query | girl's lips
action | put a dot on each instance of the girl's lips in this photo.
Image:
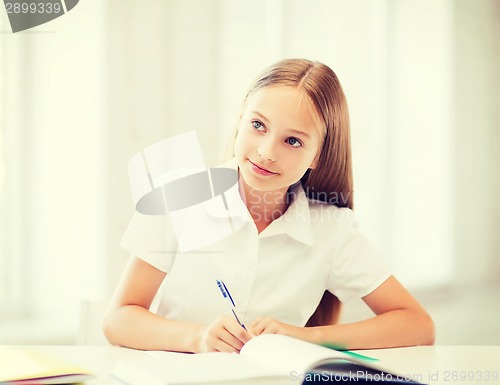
(261, 170)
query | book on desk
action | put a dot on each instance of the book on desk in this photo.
(266, 359)
(23, 366)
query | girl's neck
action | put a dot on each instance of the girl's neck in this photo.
(263, 206)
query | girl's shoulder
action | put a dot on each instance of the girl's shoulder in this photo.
(326, 212)
(318, 212)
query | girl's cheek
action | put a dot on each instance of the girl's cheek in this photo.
(243, 138)
(239, 144)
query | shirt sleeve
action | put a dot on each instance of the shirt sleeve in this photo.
(357, 268)
(152, 239)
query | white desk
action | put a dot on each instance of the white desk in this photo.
(444, 364)
(427, 364)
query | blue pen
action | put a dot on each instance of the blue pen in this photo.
(229, 300)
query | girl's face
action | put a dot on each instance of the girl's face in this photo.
(278, 138)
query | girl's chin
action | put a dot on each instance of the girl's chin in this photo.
(261, 186)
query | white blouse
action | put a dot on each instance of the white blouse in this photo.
(280, 273)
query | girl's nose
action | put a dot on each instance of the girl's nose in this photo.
(267, 150)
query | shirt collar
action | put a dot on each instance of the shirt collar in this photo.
(295, 222)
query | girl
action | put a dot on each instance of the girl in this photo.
(285, 267)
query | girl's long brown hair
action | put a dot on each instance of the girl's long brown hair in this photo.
(331, 181)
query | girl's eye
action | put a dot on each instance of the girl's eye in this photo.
(257, 125)
(294, 142)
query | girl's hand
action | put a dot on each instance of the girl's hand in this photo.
(223, 335)
(264, 325)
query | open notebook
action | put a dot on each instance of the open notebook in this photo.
(266, 359)
(21, 366)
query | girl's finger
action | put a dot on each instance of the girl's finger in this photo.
(258, 328)
(238, 332)
(231, 340)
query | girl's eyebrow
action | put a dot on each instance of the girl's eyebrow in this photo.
(260, 115)
(297, 132)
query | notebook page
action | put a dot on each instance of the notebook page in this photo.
(18, 363)
(182, 368)
(286, 354)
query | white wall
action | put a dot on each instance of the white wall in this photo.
(477, 141)
(420, 111)
(54, 113)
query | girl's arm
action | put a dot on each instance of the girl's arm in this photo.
(128, 321)
(400, 321)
